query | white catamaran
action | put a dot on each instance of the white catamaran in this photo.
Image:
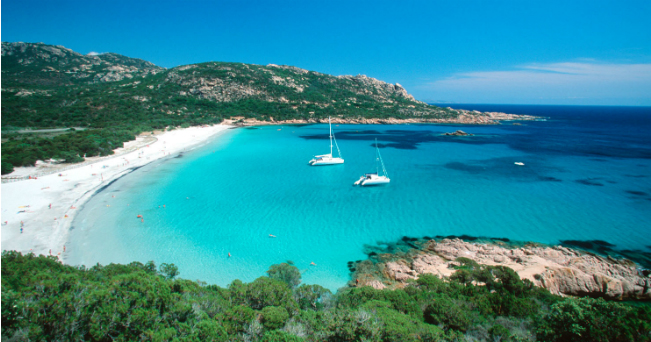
(375, 178)
(327, 159)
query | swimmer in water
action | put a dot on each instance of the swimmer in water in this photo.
(229, 254)
(272, 236)
(312, 263)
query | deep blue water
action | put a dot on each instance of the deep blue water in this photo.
(586, 177)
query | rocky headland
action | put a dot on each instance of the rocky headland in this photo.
(561, 270)
(492, 118)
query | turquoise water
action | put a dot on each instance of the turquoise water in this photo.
(228, 196)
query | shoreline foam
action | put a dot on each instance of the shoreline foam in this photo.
(46, 229)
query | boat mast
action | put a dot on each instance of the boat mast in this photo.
(377, 156)
(384, 170)
(330, 124)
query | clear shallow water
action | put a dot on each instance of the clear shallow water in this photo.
(586, 177)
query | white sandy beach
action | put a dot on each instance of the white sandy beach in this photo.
(45, 229)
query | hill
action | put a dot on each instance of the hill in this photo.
(118, 97)
(32, 65)
(52, 86)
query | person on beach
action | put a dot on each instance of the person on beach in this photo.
(21, 230)
(50, 205)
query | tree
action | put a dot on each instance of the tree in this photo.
(286, 273)
(169, 271)
(309, 296)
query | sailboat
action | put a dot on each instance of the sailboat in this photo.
(327, 159)
(375, 178)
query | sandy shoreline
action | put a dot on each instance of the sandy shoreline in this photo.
(45, 229)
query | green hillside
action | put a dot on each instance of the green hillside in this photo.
(118, 97)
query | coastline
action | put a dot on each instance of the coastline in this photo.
(561, 270)
(465, 118)
(27, 203)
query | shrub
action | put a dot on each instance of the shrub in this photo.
(235, 319)
(265, 291)
(589, 319)
(280, 336)
(451, 314)
(7, 167)
(274, 317)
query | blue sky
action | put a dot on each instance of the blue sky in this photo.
(522, 52)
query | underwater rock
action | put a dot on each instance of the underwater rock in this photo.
(458, 133)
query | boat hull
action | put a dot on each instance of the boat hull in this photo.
(326, 161)
(381, 180)
(374, 183)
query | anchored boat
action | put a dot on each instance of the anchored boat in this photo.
(375, 178)
(328, 159)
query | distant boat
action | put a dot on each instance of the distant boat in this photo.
(375, 178)
(519, 163)
(327, 159)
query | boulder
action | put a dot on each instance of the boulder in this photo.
(561, 270)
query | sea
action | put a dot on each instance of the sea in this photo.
(249, 199)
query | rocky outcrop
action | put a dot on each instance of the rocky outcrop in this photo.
(458, 133)
(561, 270)
(376, 88)
(65, 65)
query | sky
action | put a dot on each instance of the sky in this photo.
(567, 52)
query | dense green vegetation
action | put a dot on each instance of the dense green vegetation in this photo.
(45, 86)
(21, 150)
(43, 300)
